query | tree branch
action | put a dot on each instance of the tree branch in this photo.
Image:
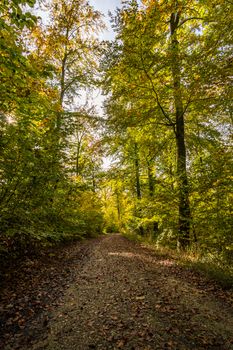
(171, 123)
(189, 19)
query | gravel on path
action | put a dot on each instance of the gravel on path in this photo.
(126, 296)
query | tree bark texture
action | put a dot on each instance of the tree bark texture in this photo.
(151, 188)
(184, 208)
(138, 185)
(137, 172)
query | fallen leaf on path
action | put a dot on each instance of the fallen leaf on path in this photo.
(120, 344)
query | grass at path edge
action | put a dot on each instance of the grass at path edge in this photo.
(222, 274)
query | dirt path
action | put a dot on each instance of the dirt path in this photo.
(127, 297)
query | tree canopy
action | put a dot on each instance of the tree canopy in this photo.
(167, 123)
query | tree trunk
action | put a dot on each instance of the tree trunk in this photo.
(77, 158)
(138, 185)
(150, 180)
(137, 172)
(118, 206)
(62, 79)
(184, 208)
(151, 189)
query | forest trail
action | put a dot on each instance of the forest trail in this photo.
(125, 296)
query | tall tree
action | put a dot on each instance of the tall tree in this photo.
(156, 75)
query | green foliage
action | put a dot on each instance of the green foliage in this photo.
(44, 198)
(167, 125)
(175, 66)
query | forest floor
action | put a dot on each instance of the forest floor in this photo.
(111, 293)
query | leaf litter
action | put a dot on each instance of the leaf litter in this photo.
(111, 293)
